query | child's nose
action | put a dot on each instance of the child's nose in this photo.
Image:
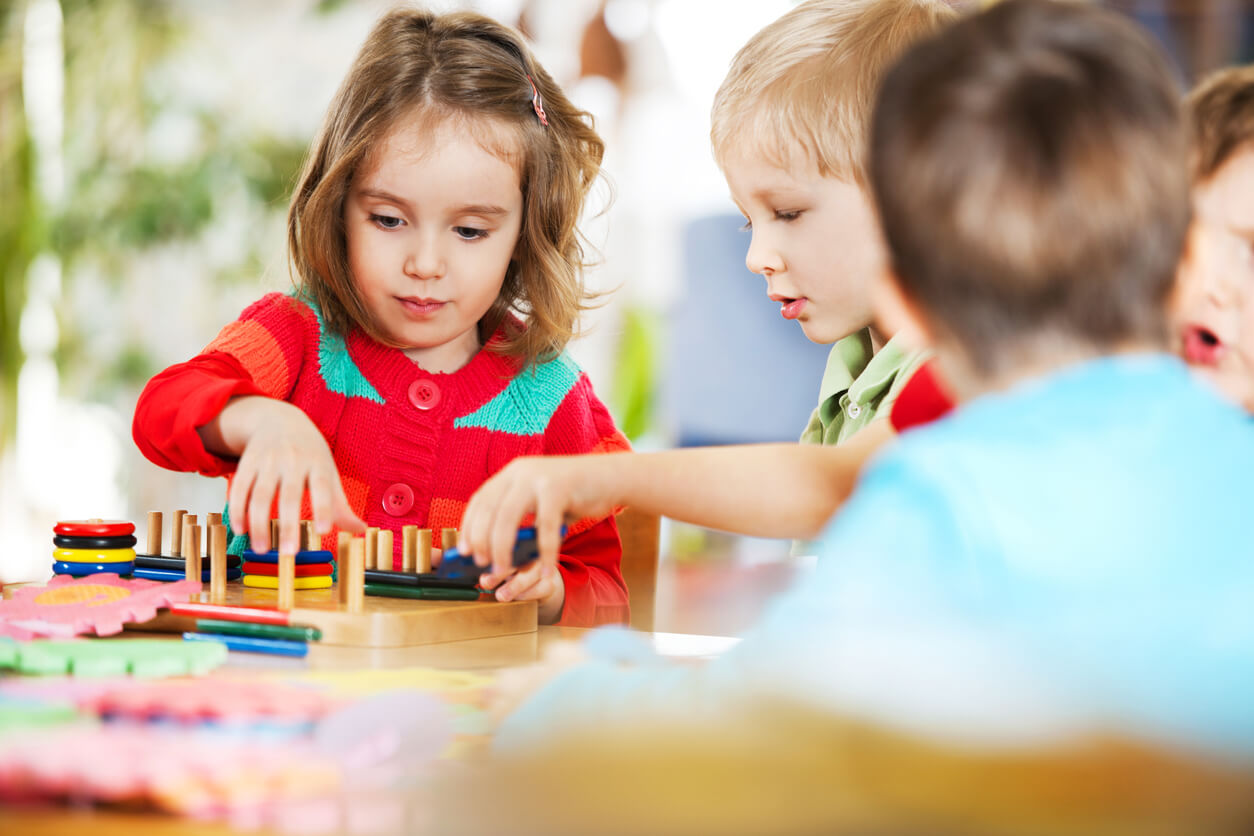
(763, 258)
(425, 261)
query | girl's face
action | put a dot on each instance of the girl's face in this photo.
(1214, 306)
(432, 220)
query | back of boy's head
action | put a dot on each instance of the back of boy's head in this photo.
(806, 83)
(468, 68)
(1221, 117)
(1029, 168)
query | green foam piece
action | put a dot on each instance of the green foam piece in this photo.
(149, 658)
(22, 716)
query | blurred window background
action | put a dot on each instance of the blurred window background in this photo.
(147, 149)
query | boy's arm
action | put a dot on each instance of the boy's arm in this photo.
(764, 490)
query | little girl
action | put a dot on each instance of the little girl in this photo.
(437, 262)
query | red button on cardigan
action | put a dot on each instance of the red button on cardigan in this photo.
(424, 394)
(398, 499)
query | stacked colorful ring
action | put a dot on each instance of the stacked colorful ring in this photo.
(314, 570)
(89, 547)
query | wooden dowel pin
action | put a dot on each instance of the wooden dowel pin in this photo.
(422, 562)
(448, 539)
(341, 558)
(154, 532)
(191, 545)
(355, 575)
(409, 547)
(309, 539)
(287, 581)
(383, 550)
(217, 563)
(176, 534)
(371, 546)
(212, 519)
(274, 535)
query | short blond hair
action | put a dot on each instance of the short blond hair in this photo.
(1221, 118)
(807, 81)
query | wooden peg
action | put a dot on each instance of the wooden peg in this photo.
(274, 535)
(217, 563)
(309, 539)
(191, 544)
(342, 540)
(372, 545)
(176, 534)
(383, 556)
(448, 539)
(287, 581)
(355, 575)
(422, 563)
(213, 518)
(409, 547)
(154, 532)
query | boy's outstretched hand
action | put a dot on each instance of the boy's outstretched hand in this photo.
(550, 487)
(283, 452)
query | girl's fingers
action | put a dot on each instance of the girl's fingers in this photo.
(237, 499)
(291, 491)
(260, 501)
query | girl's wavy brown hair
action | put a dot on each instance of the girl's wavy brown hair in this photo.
(469, 67)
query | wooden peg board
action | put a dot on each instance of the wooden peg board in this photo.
(383, 622)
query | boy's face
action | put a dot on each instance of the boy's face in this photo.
(815, 241)
(1214, 311)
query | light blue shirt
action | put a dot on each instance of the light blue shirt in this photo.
(1073, 554)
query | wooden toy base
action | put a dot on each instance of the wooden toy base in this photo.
(383, 622)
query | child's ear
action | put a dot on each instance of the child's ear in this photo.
(896, 314)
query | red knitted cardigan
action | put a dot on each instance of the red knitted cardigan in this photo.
(411, 446)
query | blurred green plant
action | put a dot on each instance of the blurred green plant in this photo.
(122, 201)
(21, 227)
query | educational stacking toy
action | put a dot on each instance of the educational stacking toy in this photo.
(90, 547)
(187, 557)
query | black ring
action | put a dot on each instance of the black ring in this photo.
(61, 541)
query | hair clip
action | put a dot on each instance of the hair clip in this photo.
(538, 103)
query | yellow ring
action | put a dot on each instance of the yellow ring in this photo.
(93, 555)
(271, 582)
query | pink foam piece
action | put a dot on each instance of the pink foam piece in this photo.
(180, 772)
(99, 604)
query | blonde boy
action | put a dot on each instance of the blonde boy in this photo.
(789, 128)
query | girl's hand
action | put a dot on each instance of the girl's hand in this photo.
(551, 487)
(283, 453)
(537, 580)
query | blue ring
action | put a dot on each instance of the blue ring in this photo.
(78, 570)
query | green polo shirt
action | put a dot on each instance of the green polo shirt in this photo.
(858, 386)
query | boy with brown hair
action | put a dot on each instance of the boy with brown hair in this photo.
(1070, 550)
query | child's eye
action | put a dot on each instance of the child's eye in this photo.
(786, 217)
(386, 221)
(470, 233)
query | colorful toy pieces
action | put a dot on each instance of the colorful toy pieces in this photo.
(89, 547)
(99, 604)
